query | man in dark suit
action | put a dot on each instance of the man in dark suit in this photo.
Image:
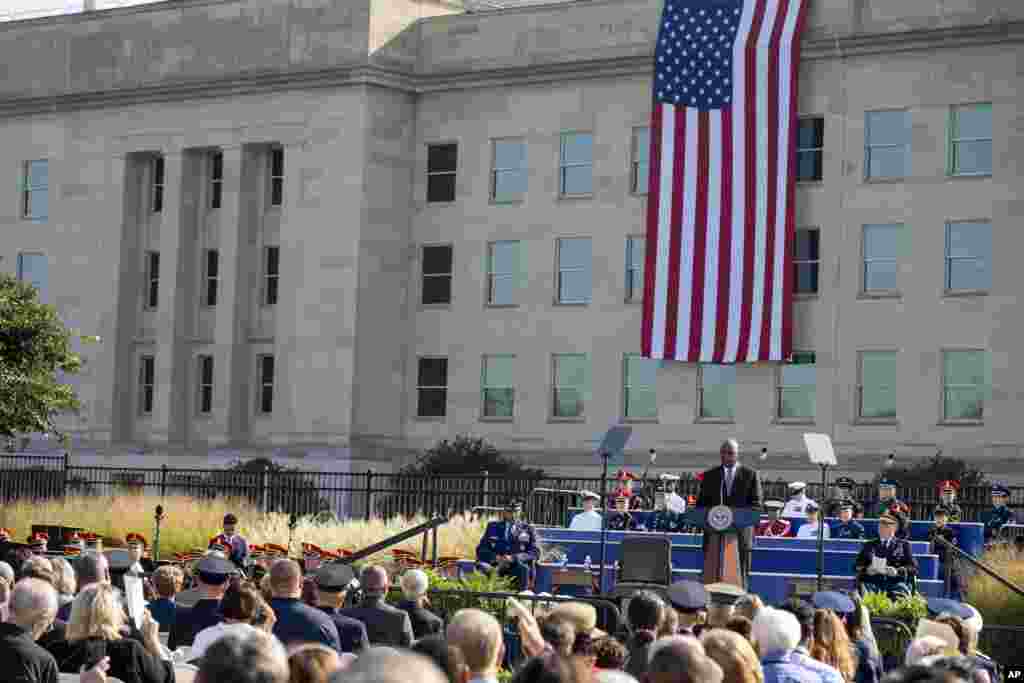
(736, 486)
(332, 581)
(297, 622)
(385, 625)
(414, 588)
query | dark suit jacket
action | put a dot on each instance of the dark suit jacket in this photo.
(22, 660)
(746, 488)
(297, 622)
(189, 621)
(424, 622)
(129, 660)
(351, 632)
(385, 625)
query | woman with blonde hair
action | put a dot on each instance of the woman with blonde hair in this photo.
(63, 580)
(831, 645)
(95, 631)
(734, 654)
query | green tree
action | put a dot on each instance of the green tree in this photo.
(938, 468)
(34, 346)
(469, 455)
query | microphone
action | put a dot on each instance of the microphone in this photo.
(654, 456)
(764, 453)
(890, 461)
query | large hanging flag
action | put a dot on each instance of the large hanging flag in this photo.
(720, 221)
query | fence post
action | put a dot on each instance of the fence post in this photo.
(369, 493)
(163, 481)
(64, 487)
(263, 488)
(486, 487)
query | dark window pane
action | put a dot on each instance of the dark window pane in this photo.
(158, 199)
(433, 372)
(217, 172)
(206, 400)
(207, 371)
(277, 162)
(148, 370)
(147, 400)
(267, 399)
(212, 262)
(437, 260)
(441, 188)
(215, 197)
(211, 293)
(442, 158)
(276, 191)
(158, 171)
(805, 278)
(808, 165)
(811, 133)
(806, 245)
(437, 290)
(431, 402)
(273, 257)
(271, 291)
(267, 369)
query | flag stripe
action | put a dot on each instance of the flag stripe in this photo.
(713, 234)
(689, 208)
(655, 273)
(723, 330)
(701, 222)
(674, 277)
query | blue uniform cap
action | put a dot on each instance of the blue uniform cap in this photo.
(845, 482)
(887, 483)
(119, 560)
(812, 507)
(334, 577)
(214, 570)
(1000, 490)
(833, 600)
(688, 595)
(937, 606)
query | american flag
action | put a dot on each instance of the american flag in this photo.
(720, 213)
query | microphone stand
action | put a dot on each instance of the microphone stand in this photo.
(821, 529)
(604, 522)
(159, 517)
(293, 521)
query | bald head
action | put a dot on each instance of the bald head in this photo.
(681, 659)
(286, 579)
(730, 452)
(386, 665)
(374, 580)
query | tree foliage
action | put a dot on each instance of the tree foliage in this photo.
(938, 468)
(34, 345)
(469, 455)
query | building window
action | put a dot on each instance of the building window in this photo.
(441, 164)
(887, 145)
(634, 269)
(276, 176)
(806, 261)
(508, 177)
(571, 385)
(881, 258)
(158, 184)
(265, 394)
(576, 164)
(35, 197)
(437, 275)
(216, 179)
(498, 386)
(152, 279)
(574, 260)
(147, 375)
(205, 383)
(33, 269)
(876, 386)
(797, 385)
(716, 389)
(964, 381)
(503, 272)
(271, 274)
(810, 145)
(968, 256)
(639, 387)
(432, 387)
(640, 165)
(970, 140)
(211, 276)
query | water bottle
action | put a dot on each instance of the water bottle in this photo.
(586, 563)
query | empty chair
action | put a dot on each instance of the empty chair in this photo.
(646, 564)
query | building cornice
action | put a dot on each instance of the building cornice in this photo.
(638, 64)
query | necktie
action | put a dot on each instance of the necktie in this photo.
(508, 532)
(728, 481)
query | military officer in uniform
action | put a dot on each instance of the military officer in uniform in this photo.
(947, 558)
(775, 526)
(510, 545)
(847, 527)
(798, 501)
(332, 581)
(999, 515)
(947, 500)
(888, 503)
(237, 549)
(664, 519)
(842, 489)
(886, 564)
(621, 519)
(690, 601)
(212, 573)
(137, 545)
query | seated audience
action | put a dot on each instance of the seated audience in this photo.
(830, 644)
(549, 669)
(447, 658)
(332, 581)
(681, 659)
(644, 613)
(477, 635)
(94, 632)
(167, 582)
(38, 567)
(297, 622)
(64, 580)
(582, 615)
(967, 644)
(239, 608)
(858, 628)
(388, 665)
(385, 625)
(804, 614)
(923, 674)
(414, 589)
(559, 633)
(777, 635)
(923, 649)
(669, 624)
(609, 653)
(740, 625)
(212, 575)
(256, 657)
(5, 596)
(312, 664)
(734, 655)
(32, 608)
(91, 568)
(747, 606)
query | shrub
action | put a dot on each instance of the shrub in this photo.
(469, 455)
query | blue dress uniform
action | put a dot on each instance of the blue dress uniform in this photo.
(898, 556)
(514, 538)
(947, 559)
(189, 621)
(999, 515)
(332, 579)
(850, 530)
(666, 521)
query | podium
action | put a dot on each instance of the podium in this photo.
(722, 528)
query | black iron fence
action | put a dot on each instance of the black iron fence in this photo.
(372, 494)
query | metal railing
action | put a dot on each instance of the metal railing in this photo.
(371, 494)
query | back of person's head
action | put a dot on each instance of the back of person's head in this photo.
(286, 579)
(559, 633)
(551, 668)
(478, 636)
(775, 630)
(921, 674)
(609, 653)
(742, 626)
(613, 676)
(7, 572)
(414, 584)
(96, 612)
(645, 611)
(167, 580)
(959, 628)
(374, 580)
(92, 568)
(748, 606)
(63, 576)
(923, 648)
(734, 654)
(582, 615)
(681, 659)
(804, 613)
(312, 663)
(669, 623)
(387, 665)
(252, 657)
(37, 567)
(241, 603)
(33, 605)
(446, 657)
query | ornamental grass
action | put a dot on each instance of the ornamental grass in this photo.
(998, 605)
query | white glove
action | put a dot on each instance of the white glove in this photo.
(892, 571)
(871, 570)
